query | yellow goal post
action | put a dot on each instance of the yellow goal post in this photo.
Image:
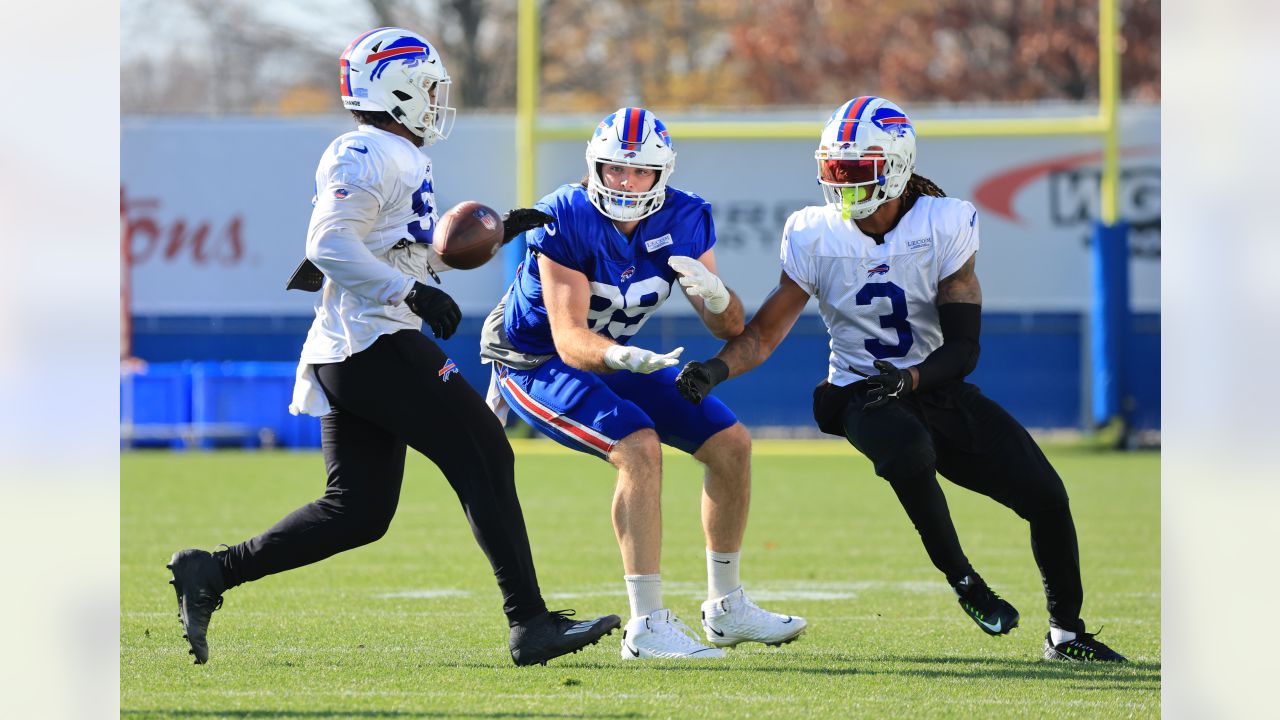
(529, 132)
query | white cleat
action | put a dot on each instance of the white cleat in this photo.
(661, 635)
(734, 619)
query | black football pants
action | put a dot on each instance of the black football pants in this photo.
(958, 432)
(384, 398)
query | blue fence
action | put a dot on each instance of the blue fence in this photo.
(213, 404)
(237, 392)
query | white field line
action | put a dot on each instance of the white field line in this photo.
(777, 590)
(240, 612)
(773, 591)
(797, 698)
(427, 594)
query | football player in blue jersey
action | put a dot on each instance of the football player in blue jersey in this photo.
(378, 382)
(559, 343)
(891, 261)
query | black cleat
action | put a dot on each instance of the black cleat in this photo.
(197, 580)
(991, 612)
(1085, 647)
(552, 634)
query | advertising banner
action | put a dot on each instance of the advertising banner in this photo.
(214, 211)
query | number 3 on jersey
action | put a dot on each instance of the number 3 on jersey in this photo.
(896, 319)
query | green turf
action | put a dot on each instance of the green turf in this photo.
(348, 637)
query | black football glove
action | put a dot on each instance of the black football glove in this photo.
(697, 378)
(436, 308)
(890, 383)
(522, 220)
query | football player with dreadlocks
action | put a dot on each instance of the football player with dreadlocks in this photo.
(378, 383)
(891, 261)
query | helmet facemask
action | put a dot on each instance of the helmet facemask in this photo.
(858, 183)
(622, 204)
(424, 106)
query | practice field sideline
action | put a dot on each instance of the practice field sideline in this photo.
(411, 626)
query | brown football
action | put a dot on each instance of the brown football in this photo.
(468, 235)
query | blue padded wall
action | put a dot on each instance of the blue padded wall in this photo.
(1031, 364)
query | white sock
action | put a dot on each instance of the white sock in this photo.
(644, 592)
(1057, 636)
(722, 573)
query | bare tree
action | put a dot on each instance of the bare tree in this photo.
(472, 64)
(385, 12)
(597, 54)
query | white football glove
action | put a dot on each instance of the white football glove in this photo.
(639, 360)
(698, 280)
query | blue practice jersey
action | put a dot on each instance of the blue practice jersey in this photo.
(629, 277)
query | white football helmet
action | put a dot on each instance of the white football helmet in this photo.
(633, 137)
(397, 71)
(866, 155)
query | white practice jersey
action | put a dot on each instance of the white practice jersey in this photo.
(879, 301)
(373, 190)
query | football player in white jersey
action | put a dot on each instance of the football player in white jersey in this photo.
(891, 261)
(376, 380)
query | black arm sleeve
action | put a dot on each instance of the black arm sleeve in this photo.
(958, 355)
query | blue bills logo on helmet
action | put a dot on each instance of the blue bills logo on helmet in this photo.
(408, 50)
(605, 124)
(662, 131)
(892, 121)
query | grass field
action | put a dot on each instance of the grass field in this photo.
(411, 626)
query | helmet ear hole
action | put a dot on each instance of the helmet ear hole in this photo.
(401, 95)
